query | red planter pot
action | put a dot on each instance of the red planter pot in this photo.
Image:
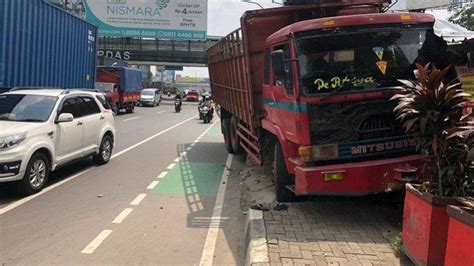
(425, 226)
(460, 244)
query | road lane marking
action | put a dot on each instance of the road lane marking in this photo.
(130, 119)
(153, 185)
(171, 166)
(176, 160)
(188, 148)
(211, 239)
(151, 138)
(96, 242)
(192, 144)
(138, 199)
(160, 112)
(119, 219)
(25, 200)
(18, 203)
(162, 175)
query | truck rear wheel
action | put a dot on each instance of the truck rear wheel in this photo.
(282, 177)
(234, 137)
(130, 108)
(225, 127)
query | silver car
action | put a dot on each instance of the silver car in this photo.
(150, 97)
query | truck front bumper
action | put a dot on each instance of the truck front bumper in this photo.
(357, 179)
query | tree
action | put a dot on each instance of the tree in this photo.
(464, 17)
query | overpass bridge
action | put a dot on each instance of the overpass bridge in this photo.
(142, 51)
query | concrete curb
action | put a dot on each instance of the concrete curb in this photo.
(256, 239)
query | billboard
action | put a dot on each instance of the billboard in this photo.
(163, 19)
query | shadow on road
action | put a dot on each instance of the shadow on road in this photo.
(9, 192)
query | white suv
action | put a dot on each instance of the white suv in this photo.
(41, 129)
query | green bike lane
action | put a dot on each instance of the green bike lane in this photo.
(171, 224)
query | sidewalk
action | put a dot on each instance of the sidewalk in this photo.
(331, 231)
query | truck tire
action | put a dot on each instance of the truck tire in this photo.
(234, 137)
(282, 177)
(115, 109)
(36, 174)
(130, 108)
(225, 127)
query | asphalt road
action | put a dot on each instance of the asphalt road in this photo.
(166, 197)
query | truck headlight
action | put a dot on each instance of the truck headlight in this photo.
(319, 152)
(12, 141)
(326, 152)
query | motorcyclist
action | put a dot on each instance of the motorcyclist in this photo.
(179, 98)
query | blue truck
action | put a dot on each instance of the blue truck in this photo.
(42, 45)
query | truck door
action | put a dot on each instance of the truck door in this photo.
(285, 109)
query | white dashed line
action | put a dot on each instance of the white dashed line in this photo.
(153, 185)
(176, 160)
(119, 219)
(171, 166)
(151, 138)
(138, 199)
(192, 144)
(130, 119)
(160, 112)
(162, 175)
(96, 242)
(188, 148)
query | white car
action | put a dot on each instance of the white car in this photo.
(150, 97)
(42, 129)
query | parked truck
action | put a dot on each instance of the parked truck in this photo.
(121, 85)
(44, 46)
(309, 86)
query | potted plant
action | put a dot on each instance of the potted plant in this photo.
(432, 112)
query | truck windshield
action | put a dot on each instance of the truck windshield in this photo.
(358, 61)
(26, 108)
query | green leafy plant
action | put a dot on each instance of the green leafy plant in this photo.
(432, 112)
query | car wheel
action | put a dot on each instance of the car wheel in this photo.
(282, 177)
(105, 151)
(36, 174)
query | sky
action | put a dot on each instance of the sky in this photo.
(224, 17)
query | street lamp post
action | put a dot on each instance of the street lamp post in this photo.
(252, 2)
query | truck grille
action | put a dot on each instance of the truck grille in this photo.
(352, 123)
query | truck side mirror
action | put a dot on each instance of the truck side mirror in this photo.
(278, 64)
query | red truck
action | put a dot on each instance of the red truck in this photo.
(121, 85)
(310, 85)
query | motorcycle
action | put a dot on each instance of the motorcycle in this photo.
(200, 107)
(177, 105)
(206, 112)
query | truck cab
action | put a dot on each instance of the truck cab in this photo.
(326, 94)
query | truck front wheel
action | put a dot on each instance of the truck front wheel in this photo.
(282, 177)
(225, 127)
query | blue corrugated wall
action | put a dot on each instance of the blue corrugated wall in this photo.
(41, 45)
